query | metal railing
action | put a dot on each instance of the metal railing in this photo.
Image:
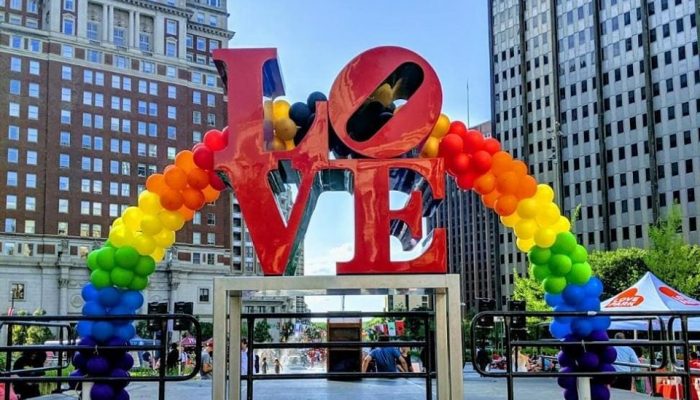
(667, 342)
(427, 343)
(9, 376)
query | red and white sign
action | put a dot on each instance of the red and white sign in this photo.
(667, 291)
(628, 298)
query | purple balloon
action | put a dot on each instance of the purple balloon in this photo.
(76, 373)
(589, 361)
(97, 366)
(79, 360)
(87, 341)
(571, 394)
(122, 395)
(120, 373)
(608, 355)
(599, 336)
(102, 391)
(567, 382)
(608, 379)
(600, 392)
(126, 362)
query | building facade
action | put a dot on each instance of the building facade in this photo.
(600, 99)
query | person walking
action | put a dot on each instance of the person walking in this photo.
(385, 358)
(264, 365)
(207, 362)
(244, 356)
(173, 359)
(278, 366)
(625, 354)
(482, 357)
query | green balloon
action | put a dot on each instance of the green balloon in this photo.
(138, 283)
(121, 277)
(105, 258)
(92, 262)
(560, 265)
(554, 284)
(580, 273)
(579, 255)
(100, 278)
(538, 255)
(539, 272)
(145, 266)
(565, 243)
(126, 257)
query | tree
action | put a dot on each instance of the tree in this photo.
(618, 269)
(23, 334)
(670, 258)
(530, 291)
(261, 332)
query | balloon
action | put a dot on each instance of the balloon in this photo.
(277, 144)
(539, 255)
(102, 330)
(155, 183)
(545, 193)
(481, 161)
(450, 145)
(458, 164)
(313, 98)
(466, 181)
(608, 355)
(171, 220)
(474, 142)
(431, 148)
(299, 113)
(594, 287)
(105, 257)
(216, 140)
(600, 392)
(170, 199)
(89, 293)
(285, 129)
(501, 163)
(384, 94)
(145, 266)
(138, 283)
(485, 183)
(563, 225)
(101, 391)
(559, 330)
(567, 382)
(164, 238)
(519, 167)
(97, 366)
(441, 127)
(185, 160)
(79, 360)
(553, 300)
(580, 273)
(507, 182)
(525, 245)
(573, 294)
(192, 198)
(158, 254)
(198, 178)
(554, 284)
(210, 194)
(601, 323)
(545, 237)
(127, 256)
(120, 236)
(149, 202)
(510, 220)
(565, 243)
(560, 265)
(527, 208)
(548, 214)
(491, 146)
(121, 277)
(589, 361)
(215, 181)
(120, 373)
(540, 272)
(100, 278)
(589, 304)
(457, 127)
(579, 254)
(109, 297)
(92, 262)
(280, 109)
(93, 309)
(176, 177)
(563, 308)
(125, 362)
(527, 187)
(122, 395)
(144, 244)
(571, 394)
(187, 213)
(525, 229)
(489, 199)
(132, 299)
(581, 327)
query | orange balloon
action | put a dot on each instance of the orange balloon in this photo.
(519, 167)
(186, 213)
(506, 205)
(501, 162)
(175, 177)
(192, 198)
(527, 187)
(486, 183)
(210, 194)
(507, 182)
(156, 183)
(170, 199)
(185, 160)
(490, 199)
(198, 178)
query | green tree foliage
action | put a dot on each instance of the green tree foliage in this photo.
(670, 258)
(618, 269)
(31, 334)
(261, 332)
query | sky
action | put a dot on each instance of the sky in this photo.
(315, 39)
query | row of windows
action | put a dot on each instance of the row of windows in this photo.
(11, 203)
(13, 180)
(31, 5)
(11, 225)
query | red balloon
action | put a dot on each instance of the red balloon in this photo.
(204, 157)
(527, 187)
(457, 127)
(474, 141)
(492, 146)
(215, 181)
(458, 164)
(466, 181)
(215, 140)
(481, 161)
(450, 145)
(508, 182)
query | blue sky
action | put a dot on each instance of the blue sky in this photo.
(316, 38)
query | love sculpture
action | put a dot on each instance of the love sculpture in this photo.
(357, 139)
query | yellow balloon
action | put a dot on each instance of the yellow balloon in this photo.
(150, 224)
(562, 225)
(164, 238)
(144, 244)
(510, 220)
(132, 218)
(117, 222)
(525, 245)
(120, 236)
(280, 109)
(277, 144)
(544, 194)
(527, 208)
(172, 220)
(384, 94)
(548, 215)
(285, 128)
(289, 145)
(267, 109)
(158, 254)
(149, 202)
(431, 147)
(545, 237)
(441, 127)
(525, 228)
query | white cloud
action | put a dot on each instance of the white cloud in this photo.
(324, 264)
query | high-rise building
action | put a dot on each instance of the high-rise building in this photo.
(600, 99)
(98, 96)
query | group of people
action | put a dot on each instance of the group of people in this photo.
(523, 363)
(28, 364)
(206, 371)
(387, 359)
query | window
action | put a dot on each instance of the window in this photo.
(196, 117)
(170, 27)
(201, 44)
(33, 112)
(211, 238)
(211, 100)
(172, 132)
(34, 68)
(15, 87)
(11, 202)
(31, 157)
(119, 37)
(67, 51)
(29, 226)
(14, 110)
(63, 228)
(64, 161)
(170, 71)
(32, 135)
(211, 219)
(85, 208)
(65, 94)
(121, 62)
(30, 181)
(85, 230)
(15, 64)
(196, 238)
(65, 117)
(68, 27)
(12, 178)
(148, 67)
(96, 209)
(172, 112)
(171, 48)
(211, 119)
(172, 92)
(63, 183)
(30, 203)
(33, 90)
(13, 132)
(94, 56)
(93, 30)
(203, 295)
(12, 155)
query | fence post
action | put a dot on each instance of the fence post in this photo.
(86, 387)
(583, 387)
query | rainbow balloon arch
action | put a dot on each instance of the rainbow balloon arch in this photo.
(121, 268)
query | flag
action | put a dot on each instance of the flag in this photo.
(399, 328)
(392, 328)
(10, 311)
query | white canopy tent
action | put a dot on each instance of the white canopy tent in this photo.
(650, 294)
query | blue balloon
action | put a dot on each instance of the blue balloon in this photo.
(93, 309)
(553, 300)
(102, 330)
(601, 323)
(132, 299)
(582, 327)
(109, 296)
(589, 304)
(84, 329)
(559, 330)
(89, 292)
(125, 332)
(564, 308)
(299, 112)
(594, 287)
(313, 98)
(121, 310)
(573, 294)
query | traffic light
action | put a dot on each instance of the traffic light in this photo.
(485, 305)
(156, 308)
(517, 322)
(182, 307)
